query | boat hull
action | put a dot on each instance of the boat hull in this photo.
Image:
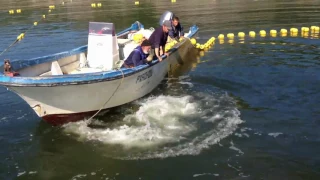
(60, 119)
(85, 99)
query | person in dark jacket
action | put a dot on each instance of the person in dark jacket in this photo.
(158, 39)
(139, 55)
(177, 30)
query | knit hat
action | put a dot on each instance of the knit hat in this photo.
(146, 43)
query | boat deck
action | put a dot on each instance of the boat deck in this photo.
(78, 64)
(125, 48)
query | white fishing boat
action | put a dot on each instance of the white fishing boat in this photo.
(71, 85)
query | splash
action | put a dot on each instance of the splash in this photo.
(165, 126)
(159, 120)
(275, 134)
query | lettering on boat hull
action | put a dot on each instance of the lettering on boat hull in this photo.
(144, 76)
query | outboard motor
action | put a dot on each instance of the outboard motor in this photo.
(166, 16)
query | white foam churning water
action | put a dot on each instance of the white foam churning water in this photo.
(166, 126)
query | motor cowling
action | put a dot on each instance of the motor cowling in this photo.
(167, 15)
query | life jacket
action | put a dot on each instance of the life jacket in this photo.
(11, 74)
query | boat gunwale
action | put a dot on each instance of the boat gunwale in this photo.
(78, 79)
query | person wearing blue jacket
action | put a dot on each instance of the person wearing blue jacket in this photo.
(139, 55)
(177, 30)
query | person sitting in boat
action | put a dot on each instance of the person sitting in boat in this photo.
(139, 55)
(176, 31)
(158, 40)
(7, 69)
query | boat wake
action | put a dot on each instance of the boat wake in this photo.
(164, 126)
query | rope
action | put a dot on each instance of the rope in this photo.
(9, 47)
(21, 36)
(109, 98)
